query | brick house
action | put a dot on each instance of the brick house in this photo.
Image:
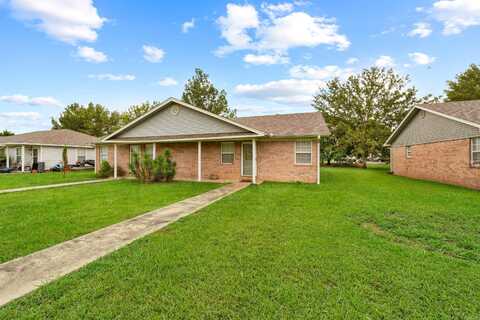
(439, 142)
(209, 147)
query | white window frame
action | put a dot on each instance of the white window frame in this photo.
(474, 148)
(132, 146)
(408, 152)
(103, 154)
(146, 148)
(18, 155)
(79, 154)
(222, 152)
(311, 153)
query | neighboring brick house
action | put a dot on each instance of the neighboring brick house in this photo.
(206, 146)
(439, 142)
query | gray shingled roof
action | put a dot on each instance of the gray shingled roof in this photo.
(288, 125)
(463, 110)
(51, 137)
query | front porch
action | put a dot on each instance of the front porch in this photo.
(196, 160)
(20, 157)
(252, 160)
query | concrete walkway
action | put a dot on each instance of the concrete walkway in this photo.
(23, 275)
(57, 185)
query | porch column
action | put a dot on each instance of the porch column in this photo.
(199, 161)
(8, 156)
(318, 161)
(115, 161)
(40, 154)
(254, 161)
(23, 158)
(154, 151)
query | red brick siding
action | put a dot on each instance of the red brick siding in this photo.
(185, 155)
(212, 162)
(276, 162)
(447, 162)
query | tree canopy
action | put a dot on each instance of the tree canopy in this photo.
(94, 119)
(136, 111)
(363, 110)
(466, 85)
(200, 92)
(5, 133)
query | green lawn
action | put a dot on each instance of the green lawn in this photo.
(362, 245)
(30, 221)
(20, 180)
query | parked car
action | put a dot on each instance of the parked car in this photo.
(5, 170)
(59, 167)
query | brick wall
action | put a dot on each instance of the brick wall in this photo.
(185, 154)
(212, 162)
(447, 162)
(276, 162)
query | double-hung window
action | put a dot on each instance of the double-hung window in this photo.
(408, 152)
(228, 152)
(475, 146)
(103, 154)
(149, 150)
(134, 149)
(303, 152)
(18, 155)
(81, 155)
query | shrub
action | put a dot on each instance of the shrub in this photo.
(147, 170)
(105, 171)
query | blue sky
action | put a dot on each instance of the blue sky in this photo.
(271, 57)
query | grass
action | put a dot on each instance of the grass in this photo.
(21, 180)
(30, 221)
(362, 245)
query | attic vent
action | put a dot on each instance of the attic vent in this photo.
(175, 110)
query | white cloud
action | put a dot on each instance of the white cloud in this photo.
(292, 91)
(315, 72)
(457, 15)
(298, 29)
(167, 82)
(352, 61)
(385, 62)
(265, 59)
(277, 9)
(20, 115)
(242, 30)
(420, 29)
(187, 25)
(91, 55)
(112, 77)
(235, 26)
(33, 101)
(421, 58)
(66, 20)
(153, 54)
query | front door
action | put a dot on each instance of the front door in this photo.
(247, 157)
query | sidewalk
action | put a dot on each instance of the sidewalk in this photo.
(23, 275)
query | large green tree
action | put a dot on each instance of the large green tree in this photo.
(94, 119)
(200, 92)
(5, 133)
(363, 110)
(136, 111)
(466, 85)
